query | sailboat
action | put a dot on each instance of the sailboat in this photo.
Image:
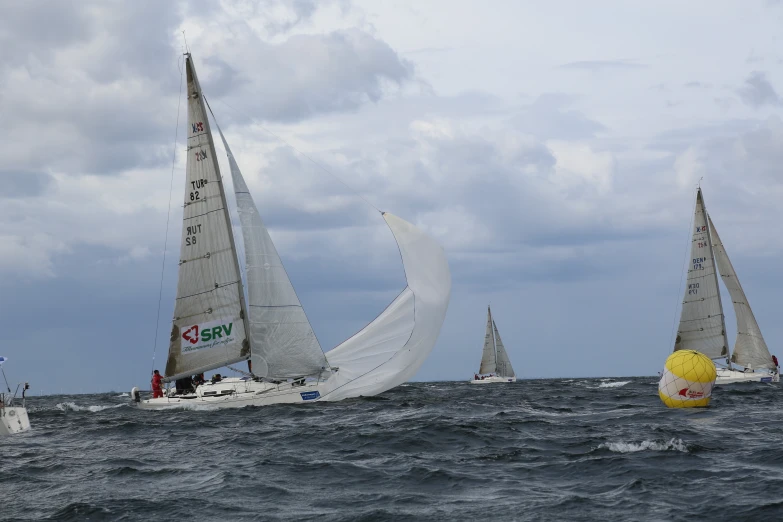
(216, 325)
(702, 321)
(495, 364)
(13, 416)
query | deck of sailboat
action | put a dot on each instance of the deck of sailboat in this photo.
(493, 379)
(728, 376)
(235, 392)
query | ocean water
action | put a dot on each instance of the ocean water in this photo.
(569, 449)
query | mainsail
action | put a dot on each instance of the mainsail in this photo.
(749, 348)
(503, 362)
(282, 341)
(701, 321)
(208, 328)
(488, 360)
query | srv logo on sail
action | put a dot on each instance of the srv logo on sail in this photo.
(206, 335)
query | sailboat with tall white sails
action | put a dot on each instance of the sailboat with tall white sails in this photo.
(495, 364)
(702, 321)
(216, 325)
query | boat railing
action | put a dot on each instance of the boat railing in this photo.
(7, 398)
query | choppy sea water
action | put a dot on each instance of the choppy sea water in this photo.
(571, 449)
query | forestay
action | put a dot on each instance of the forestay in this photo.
(503, 362)
(208, 329)
(488, 361)
(391, 349)
(749, 348)
(701, 321)
(282, 340)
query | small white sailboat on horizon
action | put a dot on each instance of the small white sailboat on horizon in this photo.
(216, 325)
(13, 416)
(702, 322)
(495, 364)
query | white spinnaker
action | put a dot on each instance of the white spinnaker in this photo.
(488, 360)
(391, 349)
(281, 338)
(701, 321)
(749, 348)
(504, 363)
(208, 328)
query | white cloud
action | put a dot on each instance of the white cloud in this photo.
(547, 185)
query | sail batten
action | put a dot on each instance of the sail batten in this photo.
(701, 325)
(750, 349)
(282, 340)
(208, 328)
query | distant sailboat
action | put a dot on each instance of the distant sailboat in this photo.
(702, 322)
(13, 415)
(495, 364)
(214, 324)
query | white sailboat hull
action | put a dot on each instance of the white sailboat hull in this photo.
(238, 393)
(13, 419)
(726, 376)
(494, 378)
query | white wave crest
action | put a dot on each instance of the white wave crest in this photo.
(72, 406)
(613, 384)
(645, 445)
(124, 395)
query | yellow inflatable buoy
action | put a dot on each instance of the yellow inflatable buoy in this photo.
(687, 380)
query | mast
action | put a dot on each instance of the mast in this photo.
(715, 275)
(494, 342)
(243, 307)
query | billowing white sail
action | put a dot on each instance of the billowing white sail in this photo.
(488, 361)
(749, 348)
(392, 348)
(281, 338)
(208, 328)
(503, 362)
(701, 321)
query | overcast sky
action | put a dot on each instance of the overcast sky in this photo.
(553, 148)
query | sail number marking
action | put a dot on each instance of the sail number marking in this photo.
(197, 127)
(201, 155)
(693, 288)
(191, 235)
(198, 184)
(698, 263)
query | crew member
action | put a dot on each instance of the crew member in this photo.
(157, 384)
(775, 360)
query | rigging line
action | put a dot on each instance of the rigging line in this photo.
(314, 162)
(168, 214)
(682, 274)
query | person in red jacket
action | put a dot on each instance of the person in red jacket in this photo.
(157, 384)
(775, 360)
